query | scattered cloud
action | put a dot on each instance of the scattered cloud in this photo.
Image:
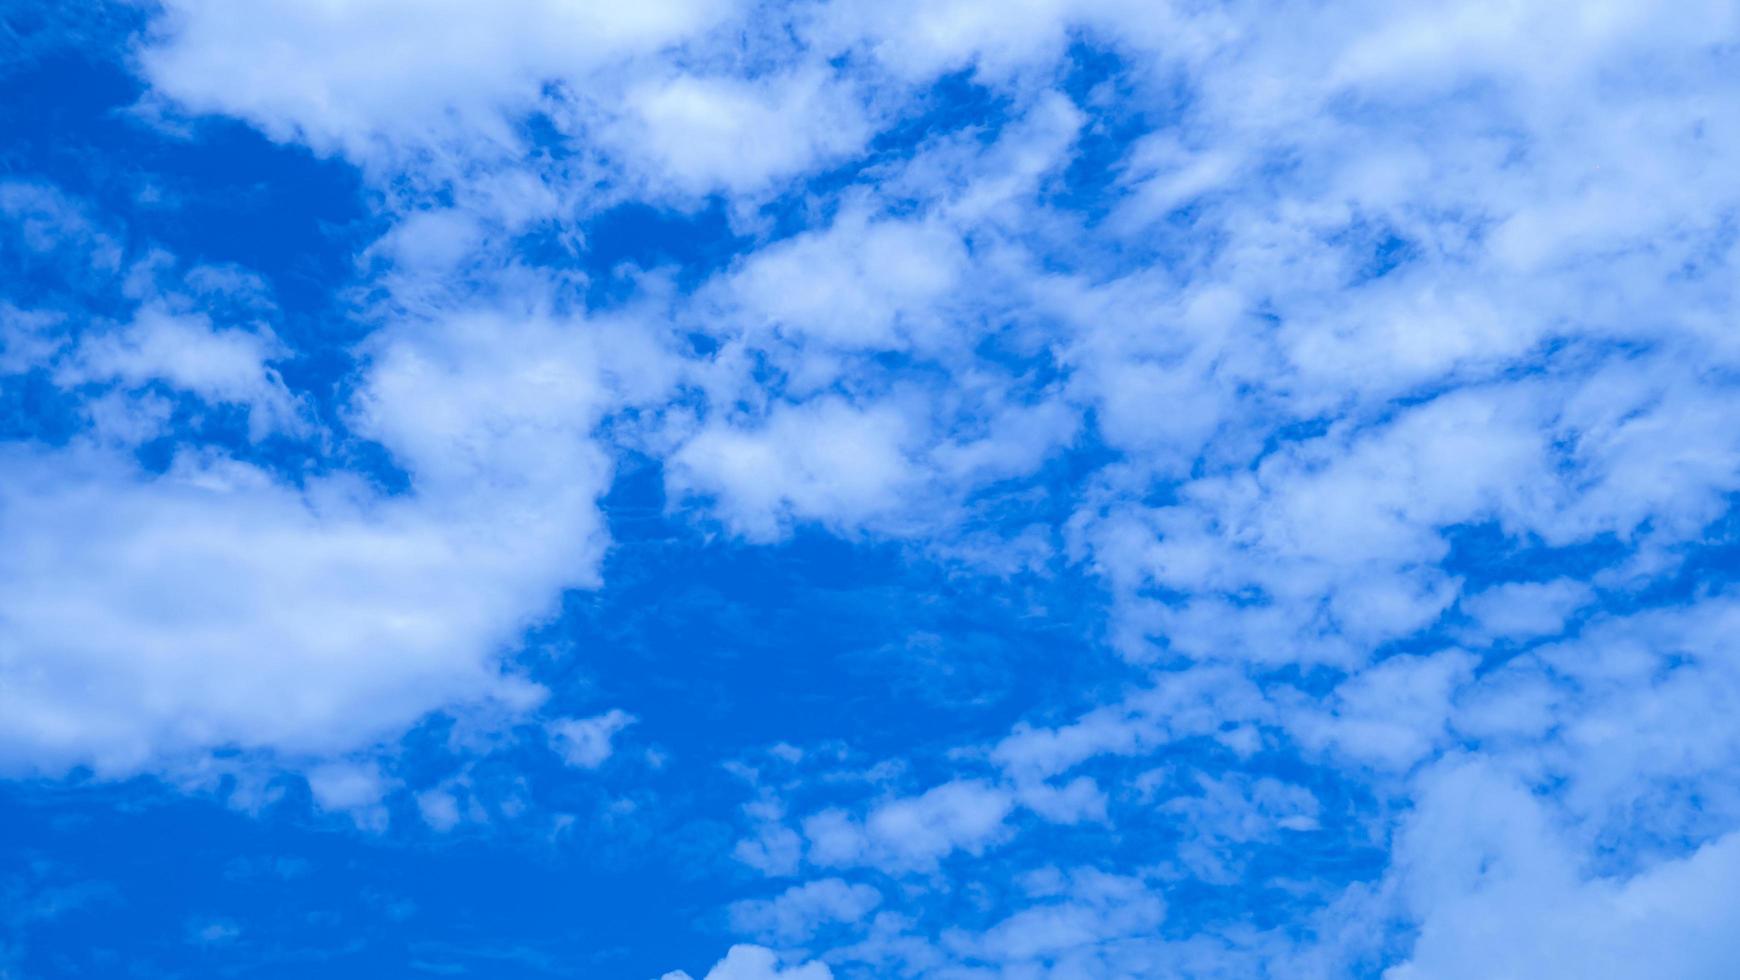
(1345, 397)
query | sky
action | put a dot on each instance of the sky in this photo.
(831, 489)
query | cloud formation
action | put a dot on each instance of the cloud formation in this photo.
(1360, 382)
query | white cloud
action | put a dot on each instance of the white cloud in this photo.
(439, 809)
(859, 284)
(1091, 909)
(214, 607)
(346, 785)
(584, 743)
(1499, 894)
(1232, 812)
(46, 222)
(912, 833)
(746, 962)
(187, 352)
(1183, 704)
(214, 932)
(433, 241)
(373, 77)
(796, 914)
(703, 133)
(919, 40)
(1527, 609)
(27, 338)
(353, 788)
(1073, 802)
(1393, 714)
(825, 461)
(774, 850)
(162, 616)
(128, 418)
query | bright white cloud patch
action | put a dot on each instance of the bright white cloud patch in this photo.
(367, 77)
(796, 915)
(827, 461)
(858, 285)
(227, 366)
(745, 962)
(707, 133)
(585, 742)
(216, 607)
(157, 616)
(912, 832)
(1495, 868)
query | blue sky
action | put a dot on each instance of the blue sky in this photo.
(692, 489)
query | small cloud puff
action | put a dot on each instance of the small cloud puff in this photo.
(745, 962)
(585, 743)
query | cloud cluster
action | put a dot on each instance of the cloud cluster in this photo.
(154, 614)
(1375, 364)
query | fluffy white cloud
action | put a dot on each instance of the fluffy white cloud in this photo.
(796, 914)
(912, 833)
(706, 133)
(45, 221)
(585, 742)
(825, 461)
(155, 617)
(1393, 714)
(1065, 929)
(1500, 893)
(346, 785)
(189, 354)
(1194, 703)
(27, 338)
(1527, 609)
(859, 285)
(919, 40)
(372, 78)
(745, 962)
